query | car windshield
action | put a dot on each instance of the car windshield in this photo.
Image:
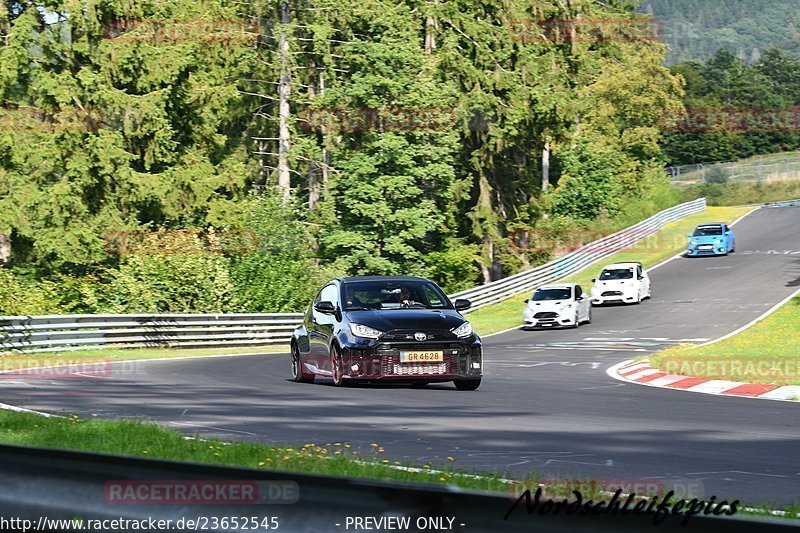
(704, 231)
(551, 294)
(394, 295)
(616, 273)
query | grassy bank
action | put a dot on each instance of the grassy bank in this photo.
(649, 251)
(768, 352)
(142, 439)
(744, 193)
(137, 438)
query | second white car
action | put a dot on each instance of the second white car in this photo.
(621, 283)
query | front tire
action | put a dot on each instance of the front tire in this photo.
(336, 366)
(298, 375)
(467, 384)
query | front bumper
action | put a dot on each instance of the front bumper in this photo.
(379, 360)
(614, 297)
(549, 319)
(701, 249)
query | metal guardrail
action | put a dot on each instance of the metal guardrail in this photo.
(66, 332)
(50, 485)
(38, 334)
(785, 203)
(769, 168)
(584, 256)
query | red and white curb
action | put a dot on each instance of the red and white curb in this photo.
(642, 373)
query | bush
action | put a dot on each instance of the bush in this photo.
(170, 283)
(456, 268)
(21, 296)
(281, 275)
(717, 174)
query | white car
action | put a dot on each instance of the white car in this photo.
(561, 305)
(621, 283)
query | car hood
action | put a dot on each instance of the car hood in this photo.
(547, 305)
(422, 319)
(613, 284)
(707, 239)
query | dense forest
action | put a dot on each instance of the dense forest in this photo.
(372, 137)
(747, 109)
(695, 29)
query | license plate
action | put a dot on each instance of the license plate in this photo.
(705, 247)
(421, 356)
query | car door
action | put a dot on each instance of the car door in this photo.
(323, 325)
(644, 281)
(319, 331)
(583, 303)
(728, 233)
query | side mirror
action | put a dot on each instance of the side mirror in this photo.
(461, 305)
(594, 279)
(689, 235)
(526, 300)
(324, 307)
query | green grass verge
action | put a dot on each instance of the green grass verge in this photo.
(142, 439)
(768, 352)
(136, 438)
(16, 360)
(650, 251)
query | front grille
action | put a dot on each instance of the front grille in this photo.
(408, 335)
(546, 315)
(612, 293)
(392, 366)
(396, 348)
(420, 369)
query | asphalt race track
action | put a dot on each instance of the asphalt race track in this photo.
(546, 403)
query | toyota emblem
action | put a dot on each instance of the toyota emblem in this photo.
(420, 336)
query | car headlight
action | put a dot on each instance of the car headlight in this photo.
(464, 330)
(565, 307)
(360, 330)
(693, 242)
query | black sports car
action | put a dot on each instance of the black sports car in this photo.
(386, 328)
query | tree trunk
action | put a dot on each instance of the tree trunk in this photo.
(5, 247)
(546, 166)
(485, 218)
(284, 90)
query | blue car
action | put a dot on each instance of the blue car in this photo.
(711, 239)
